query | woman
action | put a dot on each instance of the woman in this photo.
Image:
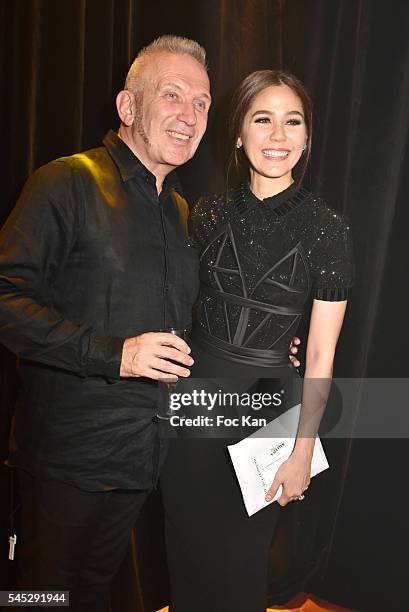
(264, 246)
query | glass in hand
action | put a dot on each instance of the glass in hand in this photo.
(171, 381)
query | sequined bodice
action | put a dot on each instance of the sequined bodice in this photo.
(260, 260)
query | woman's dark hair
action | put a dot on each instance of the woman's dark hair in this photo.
(249, 88)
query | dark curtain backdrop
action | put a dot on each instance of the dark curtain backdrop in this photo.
(62, 62)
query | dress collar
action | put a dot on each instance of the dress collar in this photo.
(281, 204)
(274, 200)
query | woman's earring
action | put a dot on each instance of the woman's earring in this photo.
(304, 147)
(238, 145)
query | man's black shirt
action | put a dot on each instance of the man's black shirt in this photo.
(90, 256)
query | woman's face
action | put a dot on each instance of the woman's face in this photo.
(274, 135)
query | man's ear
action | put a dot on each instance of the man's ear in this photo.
(125, 104)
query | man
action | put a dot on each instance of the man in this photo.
(93, 265)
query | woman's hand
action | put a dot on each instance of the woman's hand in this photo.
(294, 344)
(294, 476)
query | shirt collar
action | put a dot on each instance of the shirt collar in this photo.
(130, 166)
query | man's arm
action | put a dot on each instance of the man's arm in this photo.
(34, 245)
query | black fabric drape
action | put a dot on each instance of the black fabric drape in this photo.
(62, 65)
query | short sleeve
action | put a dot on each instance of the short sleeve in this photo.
(195, 226)
(331, 259)
(205, 215)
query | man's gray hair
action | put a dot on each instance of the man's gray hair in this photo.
(166, 43)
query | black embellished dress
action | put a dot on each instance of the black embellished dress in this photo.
(261, 261)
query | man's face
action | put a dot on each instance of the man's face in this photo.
(171, 111)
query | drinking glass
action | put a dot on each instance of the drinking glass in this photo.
(169, 381)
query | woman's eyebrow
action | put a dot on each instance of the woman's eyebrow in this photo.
(269, 112)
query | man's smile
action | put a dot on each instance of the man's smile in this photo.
(178, 135)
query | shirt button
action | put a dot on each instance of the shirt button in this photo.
(155, 419)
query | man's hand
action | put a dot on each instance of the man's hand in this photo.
(150, 354)
(295, 342)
